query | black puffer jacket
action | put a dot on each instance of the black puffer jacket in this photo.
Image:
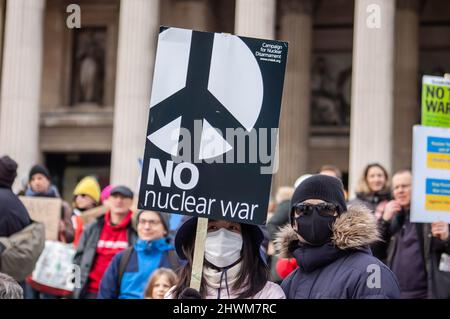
(13, 215)
(371, 200)
(432, 248)
(341, 269)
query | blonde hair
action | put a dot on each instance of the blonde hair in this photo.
(363, 187)
(169, 273)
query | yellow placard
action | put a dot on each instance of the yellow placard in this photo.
(437, 202)
(438, 160)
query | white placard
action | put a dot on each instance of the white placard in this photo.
(430, 201)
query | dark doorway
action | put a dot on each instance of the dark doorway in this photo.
(67, 169)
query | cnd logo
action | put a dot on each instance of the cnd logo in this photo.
(196, 93)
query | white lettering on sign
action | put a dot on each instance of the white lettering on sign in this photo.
(155, 169)
(112, 244)
(242, 209)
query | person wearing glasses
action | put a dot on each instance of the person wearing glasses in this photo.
(417, 252)
(331, 246)
(128, 273)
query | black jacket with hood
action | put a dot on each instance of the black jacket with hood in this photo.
(432, 248)
(13, 215)
(344, 268)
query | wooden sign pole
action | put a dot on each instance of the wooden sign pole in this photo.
(199, 252)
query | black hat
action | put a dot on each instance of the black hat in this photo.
(122, 190)
(165, 218)
(8, 171)
(39, 169)
(189, 228)
(326, 188)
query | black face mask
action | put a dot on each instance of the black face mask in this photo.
(315, 223)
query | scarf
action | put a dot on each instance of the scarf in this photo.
(52, 192)
(225, 278)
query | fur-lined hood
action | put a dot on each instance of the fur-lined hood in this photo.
(354, 229)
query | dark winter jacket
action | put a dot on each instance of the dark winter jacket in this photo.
(86, 251)
(432, 248)
(146, 257)
(341, 269)
(371, 200)
(13, 215)
(279, 218)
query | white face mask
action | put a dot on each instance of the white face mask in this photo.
(223, 247)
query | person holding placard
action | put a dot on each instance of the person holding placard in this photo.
(414, 250)
(40, 185)
(234, 267)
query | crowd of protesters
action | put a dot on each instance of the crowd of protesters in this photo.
(317, 243)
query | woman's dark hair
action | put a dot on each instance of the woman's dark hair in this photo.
(254, 272)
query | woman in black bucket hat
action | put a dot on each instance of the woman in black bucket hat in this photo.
(233, 268)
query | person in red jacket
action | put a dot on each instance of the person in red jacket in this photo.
(102, 240)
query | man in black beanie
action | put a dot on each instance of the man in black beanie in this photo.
(13, 215)
(40, 183)
(331, 246)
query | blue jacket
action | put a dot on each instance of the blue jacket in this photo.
(146, 257)
(341, 269)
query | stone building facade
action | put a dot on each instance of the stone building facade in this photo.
(77, 99)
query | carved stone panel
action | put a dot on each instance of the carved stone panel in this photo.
(88, 66)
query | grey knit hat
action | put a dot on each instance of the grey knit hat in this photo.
(165, 218)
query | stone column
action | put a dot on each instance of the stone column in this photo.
(138, 28)
(2, 25)
(372, 86)
(255, 18)
(21, 83)
(296, 28)
(406, 100)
